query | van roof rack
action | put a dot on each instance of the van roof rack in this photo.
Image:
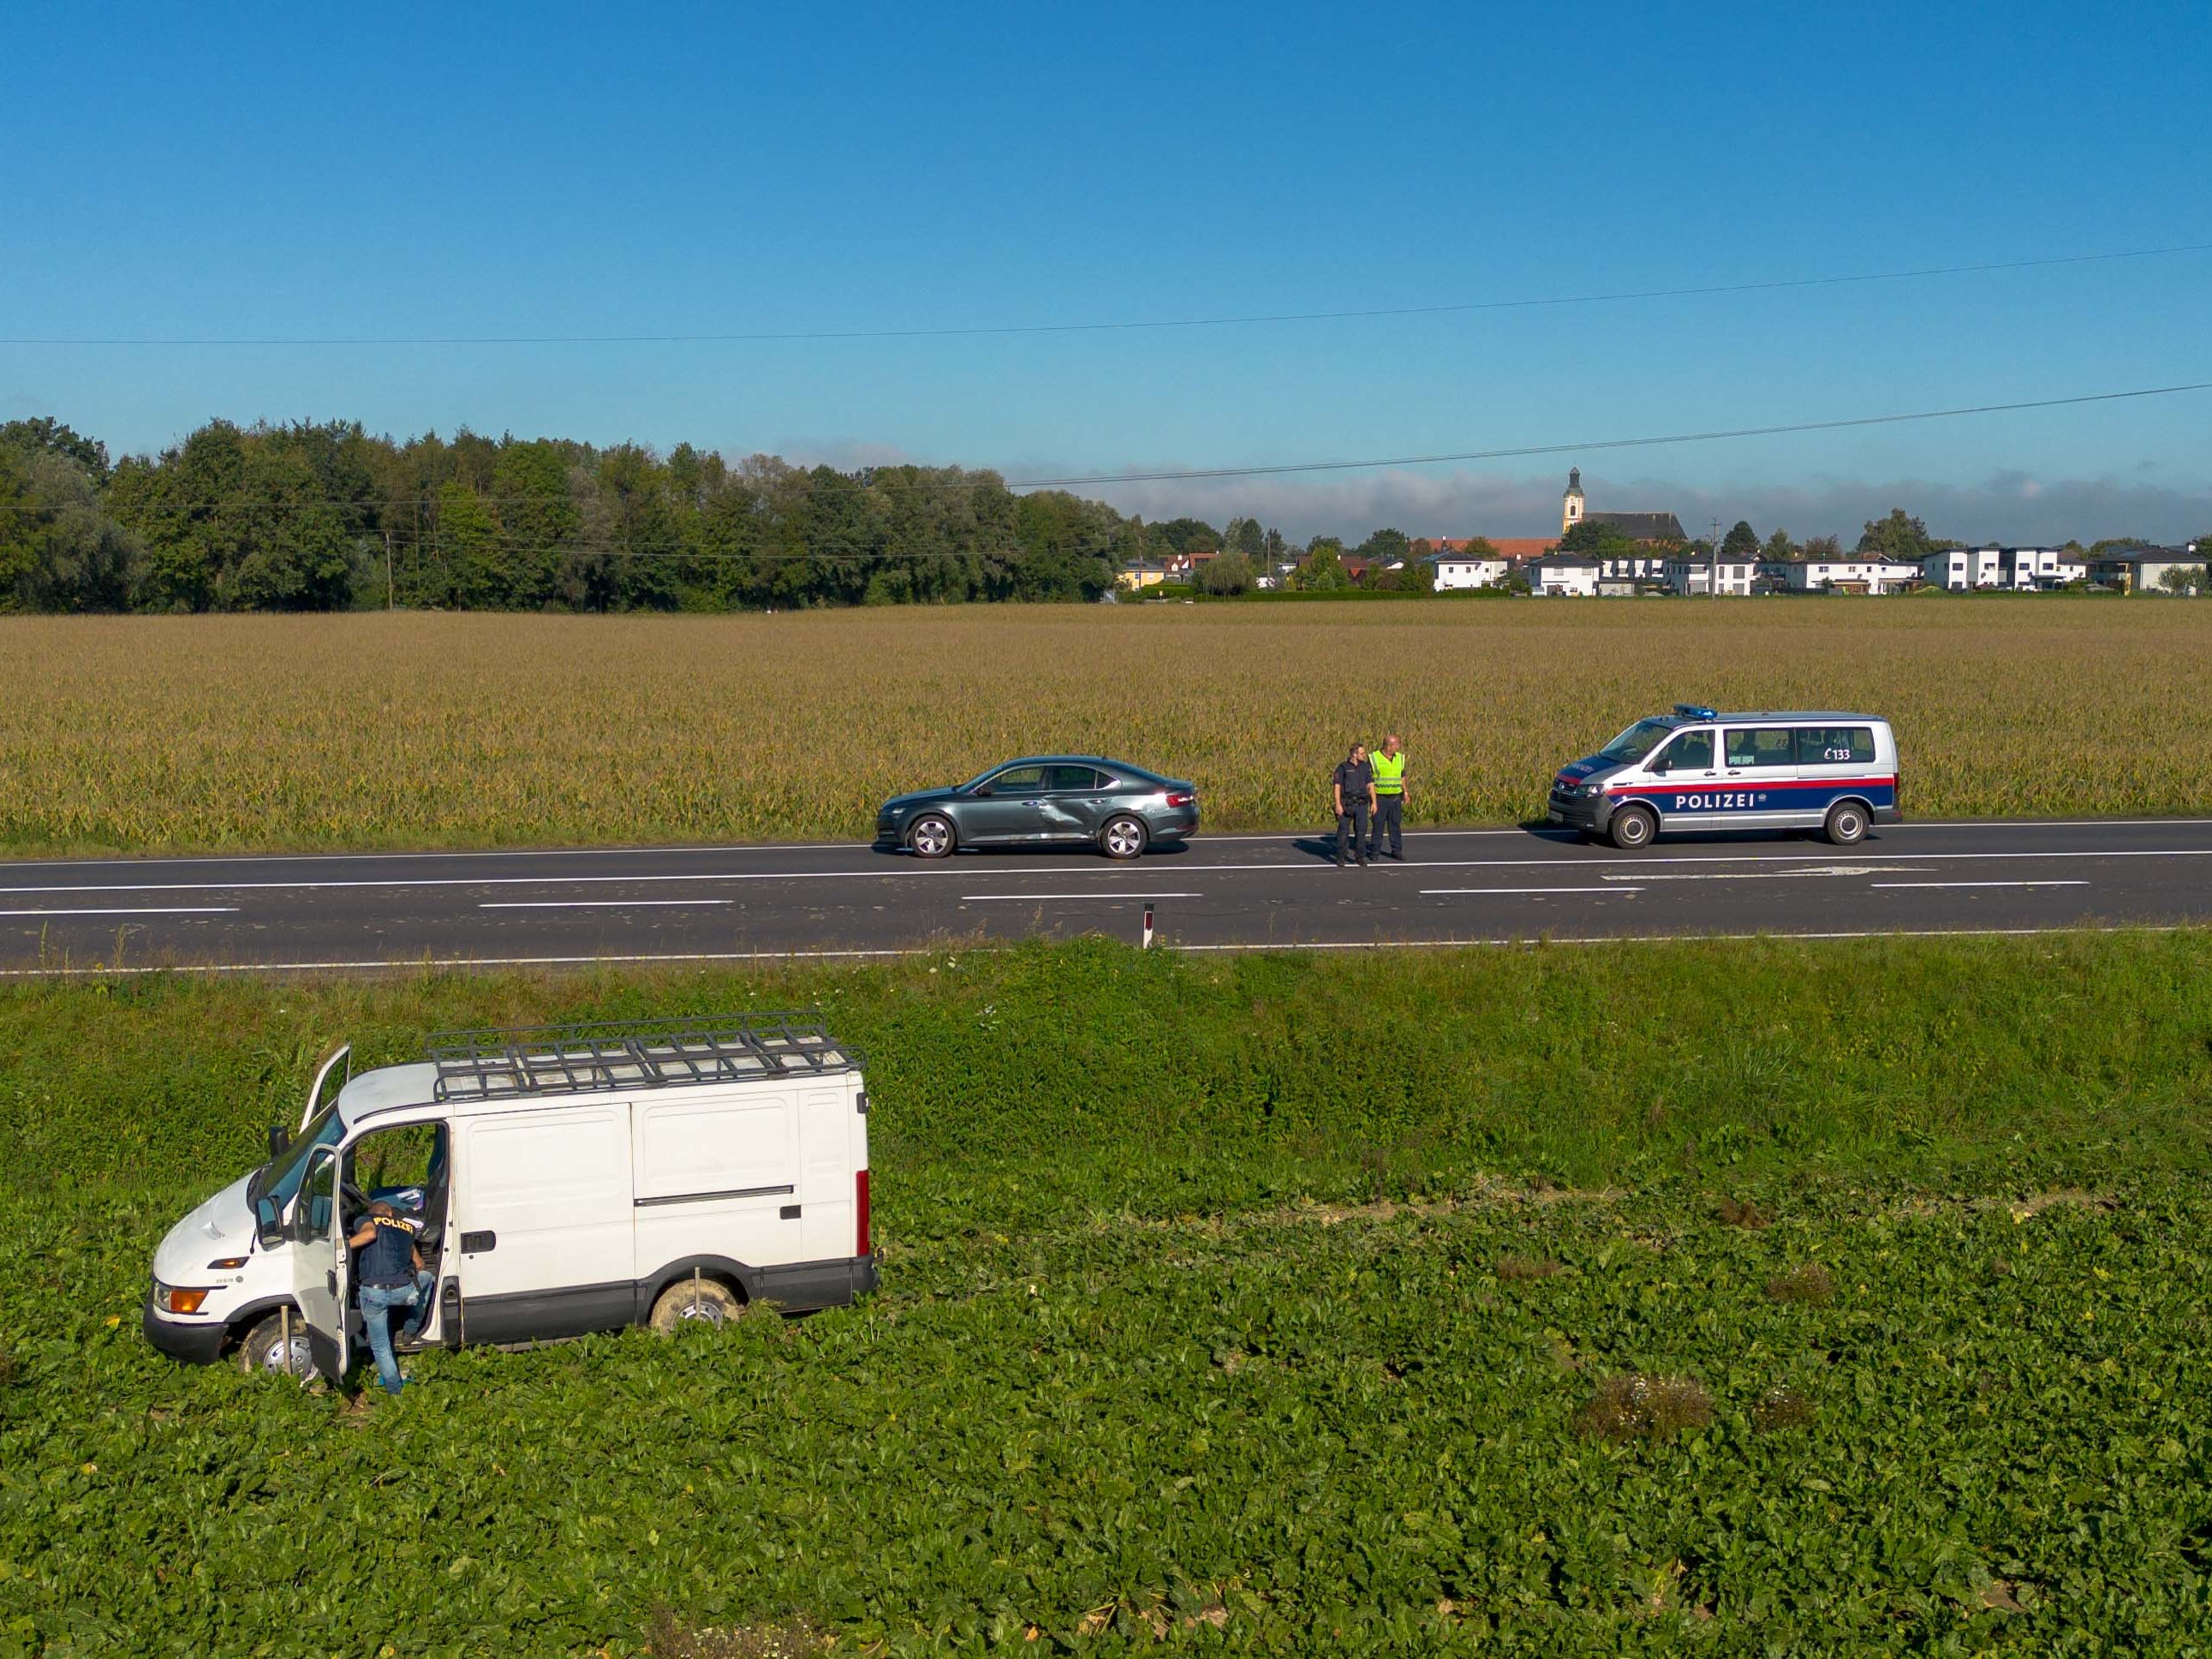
(547, 1059)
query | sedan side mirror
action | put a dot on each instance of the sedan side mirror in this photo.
(280, 1141)
(980, 789)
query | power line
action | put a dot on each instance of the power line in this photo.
(766, 337)
(1184, 474)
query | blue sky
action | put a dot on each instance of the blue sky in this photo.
(412, 172)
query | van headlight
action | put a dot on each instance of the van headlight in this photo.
(177, 1299)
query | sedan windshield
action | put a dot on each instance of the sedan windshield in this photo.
(279, 1178)
(1639, 740)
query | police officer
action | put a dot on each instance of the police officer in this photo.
(1354, 789)
(1389, 764)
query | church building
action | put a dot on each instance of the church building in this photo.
(1644, 527)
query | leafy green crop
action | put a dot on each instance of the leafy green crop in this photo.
(1200, 1331)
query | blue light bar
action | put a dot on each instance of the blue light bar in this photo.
(1691, 711)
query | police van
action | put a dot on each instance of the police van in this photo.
(563, 1180)
(1698, 769)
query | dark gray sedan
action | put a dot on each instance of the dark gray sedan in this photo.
(1044, 799)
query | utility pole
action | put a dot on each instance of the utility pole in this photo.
(1713, 565)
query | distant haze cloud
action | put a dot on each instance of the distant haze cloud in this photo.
(2015, 508)
(2010, 507)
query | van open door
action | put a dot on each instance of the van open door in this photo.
(343, 1052)
(319, 1260)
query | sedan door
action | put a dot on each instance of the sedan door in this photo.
(1012, 811)
(1076, 800)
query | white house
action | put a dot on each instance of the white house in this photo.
(1858, 575)
(1691, 573)
(1457, 571)
(1566, 575)
(2041, 567)
(1959, 569)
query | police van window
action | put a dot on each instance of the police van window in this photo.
(1692, 751)
(1835, 745)
(1762, 746)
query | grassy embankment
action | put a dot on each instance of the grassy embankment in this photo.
(1276, 1304)
(151, 734)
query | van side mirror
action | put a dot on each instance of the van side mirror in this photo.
(280, 1141)
(268, 1224)
(1661, 764)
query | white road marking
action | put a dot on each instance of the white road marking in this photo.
(156, 910)
(1446, 892)
(597, 904)
(1976, 883)
(908, 872)
(1779, 875)
(392, 964)
(1110, 898)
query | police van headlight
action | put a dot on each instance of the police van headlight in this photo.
(177, 1299)
(1584, 791)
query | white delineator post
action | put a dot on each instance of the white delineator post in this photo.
(1148, 926)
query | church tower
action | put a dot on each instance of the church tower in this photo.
(1570, 513)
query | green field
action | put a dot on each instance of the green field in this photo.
(1275, 1305)
(235, 733)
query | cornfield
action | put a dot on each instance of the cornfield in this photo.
(143, 733)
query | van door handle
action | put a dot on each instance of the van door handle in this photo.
(788, 1212)
(476, 1244)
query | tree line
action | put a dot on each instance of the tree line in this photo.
(327, 517)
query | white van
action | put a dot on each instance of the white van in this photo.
(1698, 769)
(567, 1180)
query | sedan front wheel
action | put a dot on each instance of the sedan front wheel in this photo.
(931, 837)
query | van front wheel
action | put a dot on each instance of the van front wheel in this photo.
(264, 1352)
(1632, 828)
(1847, 823)
(695, 1302)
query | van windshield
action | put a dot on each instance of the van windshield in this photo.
(1639, 740)
(279, 1178)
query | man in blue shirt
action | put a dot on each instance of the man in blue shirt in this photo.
(390, 1271)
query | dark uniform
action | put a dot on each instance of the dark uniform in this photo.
(1354, 779)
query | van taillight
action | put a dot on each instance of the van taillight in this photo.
(860, 1208)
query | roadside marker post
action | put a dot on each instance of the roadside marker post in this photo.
(1148, 927)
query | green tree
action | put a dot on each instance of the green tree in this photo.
(1323, 570)
(1598, 541)
(1780, 546)
(1230, 573)
(1740, 545)
(2184, 579)
(1900, 537)
(1385, 546)
(1824, 548)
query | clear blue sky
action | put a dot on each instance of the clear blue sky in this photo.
(400, 171)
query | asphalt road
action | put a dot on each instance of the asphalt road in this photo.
(1222, 892)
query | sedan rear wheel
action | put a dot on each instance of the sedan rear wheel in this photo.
(1123, 837)
(931, 837)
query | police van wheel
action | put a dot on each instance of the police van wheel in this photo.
(1633, 828)
(931, 837)
(263, 1351)
(1122, 838)
(691, 1303)
(1847, 823)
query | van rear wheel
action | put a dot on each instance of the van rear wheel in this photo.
(1632, 828)
(1847, 823)
(693, 1302)
(263, 1353)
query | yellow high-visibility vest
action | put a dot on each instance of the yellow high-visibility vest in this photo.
(1390, 773)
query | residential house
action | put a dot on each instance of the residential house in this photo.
(2041, 568)
(1564, 575)
(1859, 574)
(1139, 574)
(1961, 569)
(1695, 573)
(1457, 572)
(2142, 569)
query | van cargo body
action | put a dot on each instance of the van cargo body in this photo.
(573, 1178)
